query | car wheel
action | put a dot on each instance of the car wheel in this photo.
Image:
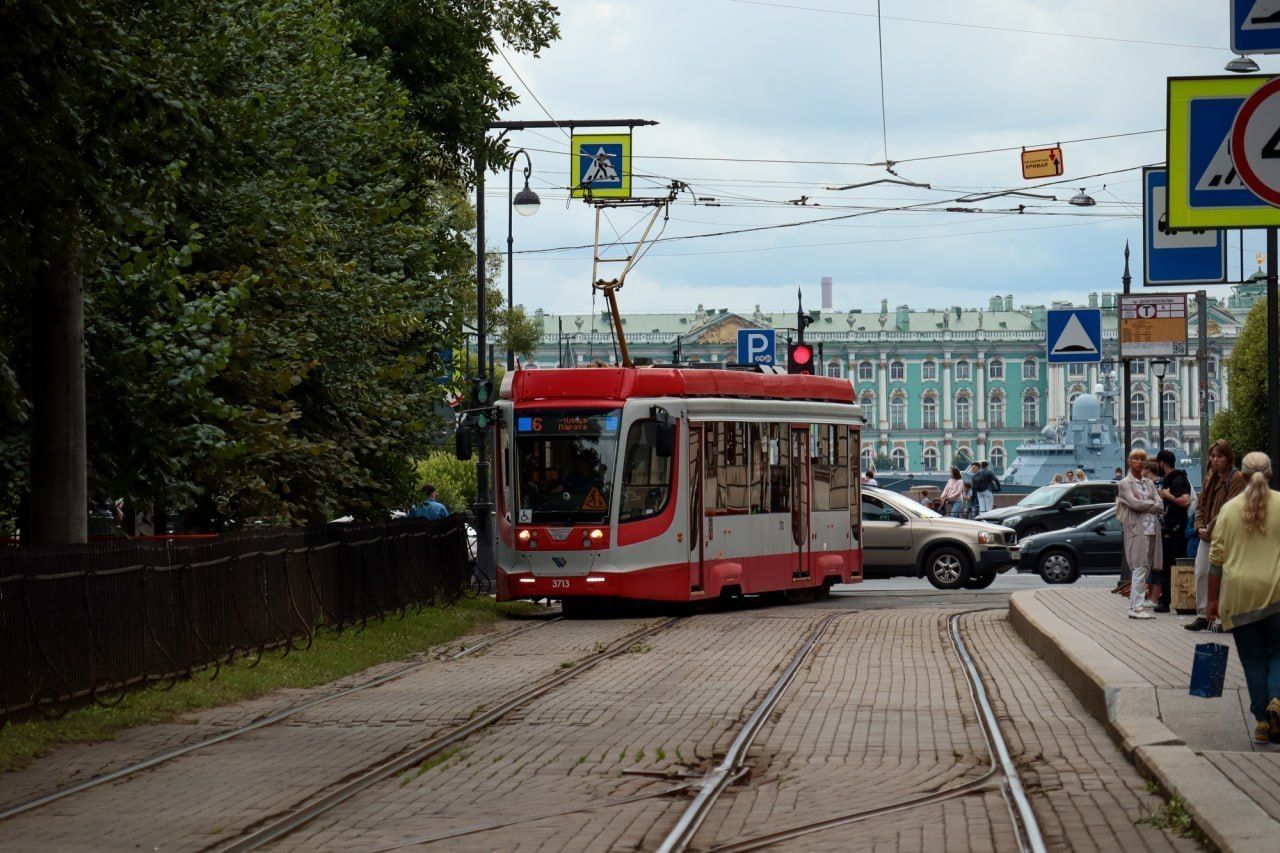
(1058, 567)
(1031, 531)
(947, 568)
(981, 581)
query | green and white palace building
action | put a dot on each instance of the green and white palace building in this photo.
(938, 385)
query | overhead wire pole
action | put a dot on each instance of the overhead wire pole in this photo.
(1273, 356)
(1125, 280)
(483, 507)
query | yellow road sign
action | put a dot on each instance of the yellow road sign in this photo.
(1153, 325)
(600, 163)
(1205, 190)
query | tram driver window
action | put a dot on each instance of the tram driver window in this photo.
(646, 476)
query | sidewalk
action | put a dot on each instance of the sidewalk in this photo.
(1133, 676)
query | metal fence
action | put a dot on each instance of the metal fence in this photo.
(87, 622)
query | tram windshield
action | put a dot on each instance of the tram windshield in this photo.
(564, 465)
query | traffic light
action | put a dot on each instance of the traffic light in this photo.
(800, 358)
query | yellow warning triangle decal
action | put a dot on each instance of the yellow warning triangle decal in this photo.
(595, 501)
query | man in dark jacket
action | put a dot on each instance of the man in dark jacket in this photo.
(1175, 489)
(985, 486)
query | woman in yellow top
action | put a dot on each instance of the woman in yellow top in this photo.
(1246, 555)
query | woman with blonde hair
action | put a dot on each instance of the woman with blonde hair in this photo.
(1245, 555)
(1080, 476)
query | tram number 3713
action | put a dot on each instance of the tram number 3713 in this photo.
(560, 583)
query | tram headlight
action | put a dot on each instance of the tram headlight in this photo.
(597, 534)
(524, 535)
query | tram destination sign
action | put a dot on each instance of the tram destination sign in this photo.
(1153, 326)
(567, 423)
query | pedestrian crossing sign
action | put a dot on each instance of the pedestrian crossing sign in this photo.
(1073, 335)
(600, 163)
(1205, 190)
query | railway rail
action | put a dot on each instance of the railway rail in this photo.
(260, 723)
(279, 827)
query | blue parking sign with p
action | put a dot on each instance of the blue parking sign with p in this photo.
(757, 346)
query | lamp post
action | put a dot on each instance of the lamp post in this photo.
(1159, 367)
(524, 203)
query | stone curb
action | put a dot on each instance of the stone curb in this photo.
(1125, 703)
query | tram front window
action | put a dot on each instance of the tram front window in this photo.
(564, 465)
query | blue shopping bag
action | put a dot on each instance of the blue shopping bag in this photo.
(1209, 670)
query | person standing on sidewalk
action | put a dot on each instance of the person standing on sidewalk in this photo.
(1222, 484)
(1138, 507)
(1245, 554)
(1175, 491)
(952, 496)
(985, 486)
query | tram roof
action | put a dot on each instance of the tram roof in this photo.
(590, 384)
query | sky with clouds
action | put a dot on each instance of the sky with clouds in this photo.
(798, 80)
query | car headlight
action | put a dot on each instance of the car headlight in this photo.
(985, 538)
(1012, 521)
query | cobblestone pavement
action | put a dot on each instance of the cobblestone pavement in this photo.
(879, 713)
(210, 795)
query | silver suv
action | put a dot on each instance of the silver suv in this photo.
(902, 537)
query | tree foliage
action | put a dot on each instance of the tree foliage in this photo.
(1246, 423)
(272, 196)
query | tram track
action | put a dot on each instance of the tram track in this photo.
(278, 827)
(270, 719)
(732, 767)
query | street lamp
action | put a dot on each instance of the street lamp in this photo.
(524, 203)
(1241, 65)
(1082, 199)
(1159, 367)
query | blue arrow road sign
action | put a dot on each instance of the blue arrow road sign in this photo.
(1255, 26)
(1174, 258)
(1073, 335)
(757, 346)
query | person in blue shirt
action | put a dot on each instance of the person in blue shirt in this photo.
(430, 509)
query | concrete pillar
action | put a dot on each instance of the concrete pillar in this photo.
(882, 399)
(947, 402)
(980, 365)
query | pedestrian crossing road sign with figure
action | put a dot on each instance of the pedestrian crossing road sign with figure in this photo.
(600, 163)
(1205, 189)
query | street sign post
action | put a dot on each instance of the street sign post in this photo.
(1073, 335)
(1205, 189)
(1176, 258)
(1255, 26)
(1255, 142)
(757, 346)
(600, 163)
(1153, 326)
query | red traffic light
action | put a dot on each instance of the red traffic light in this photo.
(802, 354)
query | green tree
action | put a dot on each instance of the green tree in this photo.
(455, 480)
(1245, 424)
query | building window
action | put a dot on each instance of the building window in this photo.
(1138, 408)
(964, 411)
(929, 371)
(995, 412)
(897, 371)
(898, 413)
(1077, 370)
(868, 401)
(833, 369)
(962, 370)
(995, 369)
(868, 458)
(1137, 367)
(930, 459)
(1211, 367)
(1211, 403)
(1029, 368)
(964, 457)
(866, 371)
(929, 412)
(997, 459)
(1030, 412)
(1170, 406)
(899, 457)
(1171, 444)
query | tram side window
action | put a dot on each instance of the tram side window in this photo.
(839, 466)
(820, 453)
(646, 476)
(777, 497)
(727, 476)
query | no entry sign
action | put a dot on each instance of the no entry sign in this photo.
(1255, 143)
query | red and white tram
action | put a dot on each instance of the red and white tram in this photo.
(672, 484)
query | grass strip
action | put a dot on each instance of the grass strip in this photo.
(330, 657)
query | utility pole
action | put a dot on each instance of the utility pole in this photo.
(1273, 356)
(1202, 359)
(1126, 391)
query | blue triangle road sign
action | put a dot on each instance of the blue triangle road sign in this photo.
(1073, 335)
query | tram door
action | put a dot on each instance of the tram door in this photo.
(801, 474)
(696, 521)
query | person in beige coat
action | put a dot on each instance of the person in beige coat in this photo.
(1138, 507)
